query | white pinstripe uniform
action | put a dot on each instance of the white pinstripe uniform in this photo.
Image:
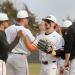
(2, 68)
(57, 40)
(17, 61)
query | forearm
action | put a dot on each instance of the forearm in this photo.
(67, 56)
(5, 45)
(13, 44)
(29, 45)
(59, 53)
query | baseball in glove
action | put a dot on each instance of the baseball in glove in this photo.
(44, 45)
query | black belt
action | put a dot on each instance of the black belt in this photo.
(17, 53)
(46, 62)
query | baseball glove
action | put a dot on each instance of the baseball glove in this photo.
(44, 45)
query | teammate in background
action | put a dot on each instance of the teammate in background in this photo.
(17, 63)
(64, 29)
(58, 29)
(5, 47)
(42, 30)
(42, 27)
(70, 49)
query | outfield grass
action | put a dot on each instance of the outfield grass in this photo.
(34, 68)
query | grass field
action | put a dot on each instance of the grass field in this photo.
(34, 68)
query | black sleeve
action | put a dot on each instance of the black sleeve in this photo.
(5, 45)
(13, 44)
(59, 53)
(69, 41)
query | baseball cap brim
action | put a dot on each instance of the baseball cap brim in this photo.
(47, 20)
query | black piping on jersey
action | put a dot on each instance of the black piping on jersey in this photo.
(47, 33)
(16, 24)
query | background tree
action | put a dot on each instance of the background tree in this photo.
(8, 7)
(32, 21)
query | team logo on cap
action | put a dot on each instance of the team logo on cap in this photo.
(48, 17)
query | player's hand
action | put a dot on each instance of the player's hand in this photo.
(66, 65)
(50, 49)
(20, 33)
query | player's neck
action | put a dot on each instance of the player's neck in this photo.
(42, 32)
(21, 23)
(50, 31)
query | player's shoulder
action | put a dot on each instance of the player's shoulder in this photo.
(26, 30)
(57, 34)
(20, 27)
(11, 27)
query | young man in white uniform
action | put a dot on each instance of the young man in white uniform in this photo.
(17, 63)
(49, 61)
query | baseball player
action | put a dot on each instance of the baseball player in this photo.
(42, 30)
(64, 29)
(48, 59)
(69, 49)
(5, 47)
(17, 63)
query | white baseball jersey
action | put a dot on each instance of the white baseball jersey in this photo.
(57, 41)
(11, 33)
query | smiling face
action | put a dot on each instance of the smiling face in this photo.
(49, 25)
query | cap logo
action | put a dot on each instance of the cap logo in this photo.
(48, 16)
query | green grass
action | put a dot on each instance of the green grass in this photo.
(34, 68)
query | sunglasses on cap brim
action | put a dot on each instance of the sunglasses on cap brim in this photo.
(22, 18)
(48, 21)
(5, 21)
